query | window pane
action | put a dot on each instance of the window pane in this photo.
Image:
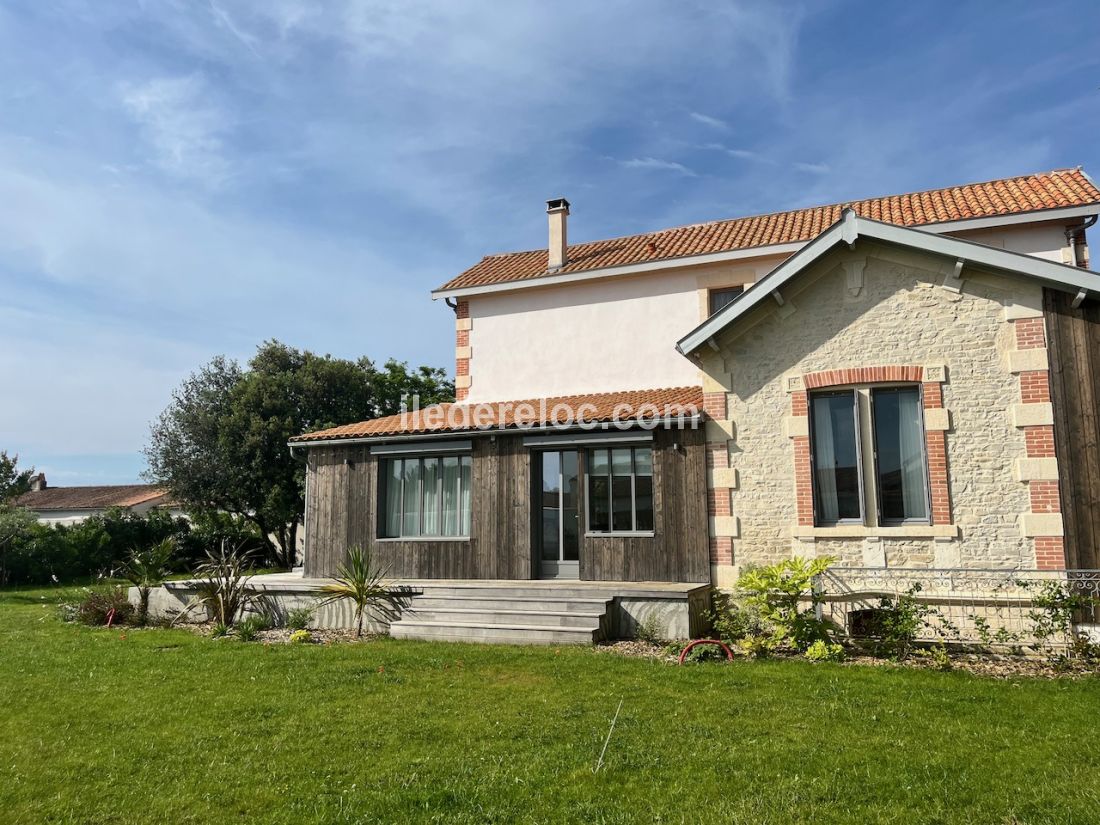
(430, 526)
(899, 444)
(643, 505)
(599, 516)
(620, 461)
(643, 461)
(392, 476)
(598, 462)
(410, 524)
(836, 457)
(570, 523)
(720, 298)
(464, 509)
(550, 496)
(621, 502)
(450, 496)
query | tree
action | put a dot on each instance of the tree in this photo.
(13, 481)
(221, 445)
(15, 524)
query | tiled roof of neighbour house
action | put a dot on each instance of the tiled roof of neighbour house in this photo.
(1049, 190)
(90, 498)
(532, 412)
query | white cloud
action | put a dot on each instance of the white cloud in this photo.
(707, 120)
(657, 164)
(813, 168)
(183, 125)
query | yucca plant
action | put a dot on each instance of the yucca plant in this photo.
(223, 583)
(359, 581)
(147, 568)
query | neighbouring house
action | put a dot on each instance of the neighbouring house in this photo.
(907, 383)
(70, 505)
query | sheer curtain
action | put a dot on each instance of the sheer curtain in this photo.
(825, 461)
(911, 449)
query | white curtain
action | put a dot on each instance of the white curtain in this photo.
(825, 461)
(911, 452)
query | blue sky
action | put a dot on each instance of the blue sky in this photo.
(183, 178)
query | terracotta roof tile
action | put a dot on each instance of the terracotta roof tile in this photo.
(1049, 190)
(535, 412)
(90, 498)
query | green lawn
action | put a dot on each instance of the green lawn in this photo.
(164, 726)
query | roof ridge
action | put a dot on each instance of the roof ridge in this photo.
(835, 204)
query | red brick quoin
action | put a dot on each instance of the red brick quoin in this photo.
(462, 339)
(1050, 551)
(935, 440)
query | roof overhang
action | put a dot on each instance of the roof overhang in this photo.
(968, 224)
(540, 429)
(850, 228)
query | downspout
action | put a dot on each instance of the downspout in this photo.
(1071, 238)
(453, 306)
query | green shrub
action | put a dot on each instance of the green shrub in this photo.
(300, 637)
(649, 629)
(147, 568)
(97, 546)
(778, 591)
(219, 631)
(822, 651)
(937, 657)
(222, 584)
(101, 606)
(898, 622)
(300, 617)
(248, 629)
(1052, 615)
(734, 620)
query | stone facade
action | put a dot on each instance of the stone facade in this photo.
(897, 316)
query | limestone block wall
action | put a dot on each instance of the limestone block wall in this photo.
(872, 315)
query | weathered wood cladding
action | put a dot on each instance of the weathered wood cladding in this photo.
(343, 502)
(678, 550)
(1074, 347)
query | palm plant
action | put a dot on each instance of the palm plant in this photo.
(147, 568)
(222, 585)
(365, 585)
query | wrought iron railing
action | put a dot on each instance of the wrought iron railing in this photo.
(993, 607)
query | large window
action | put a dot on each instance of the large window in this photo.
(620, 490)
(427, 496)
(838, 494)
(901, 476)
(894, 468)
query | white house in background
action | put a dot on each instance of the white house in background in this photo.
(71, 505)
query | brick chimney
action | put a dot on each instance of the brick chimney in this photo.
(558, 212)
(38, 482)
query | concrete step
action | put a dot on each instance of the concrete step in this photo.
(432, 602)
(548, 618)
(489, 633)
(515, 592)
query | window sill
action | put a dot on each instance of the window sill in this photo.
(900, 531)
(622, 534)
(435, 539)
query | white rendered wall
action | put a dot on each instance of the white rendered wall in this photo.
(598, 336)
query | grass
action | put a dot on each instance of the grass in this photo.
(161, 725)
